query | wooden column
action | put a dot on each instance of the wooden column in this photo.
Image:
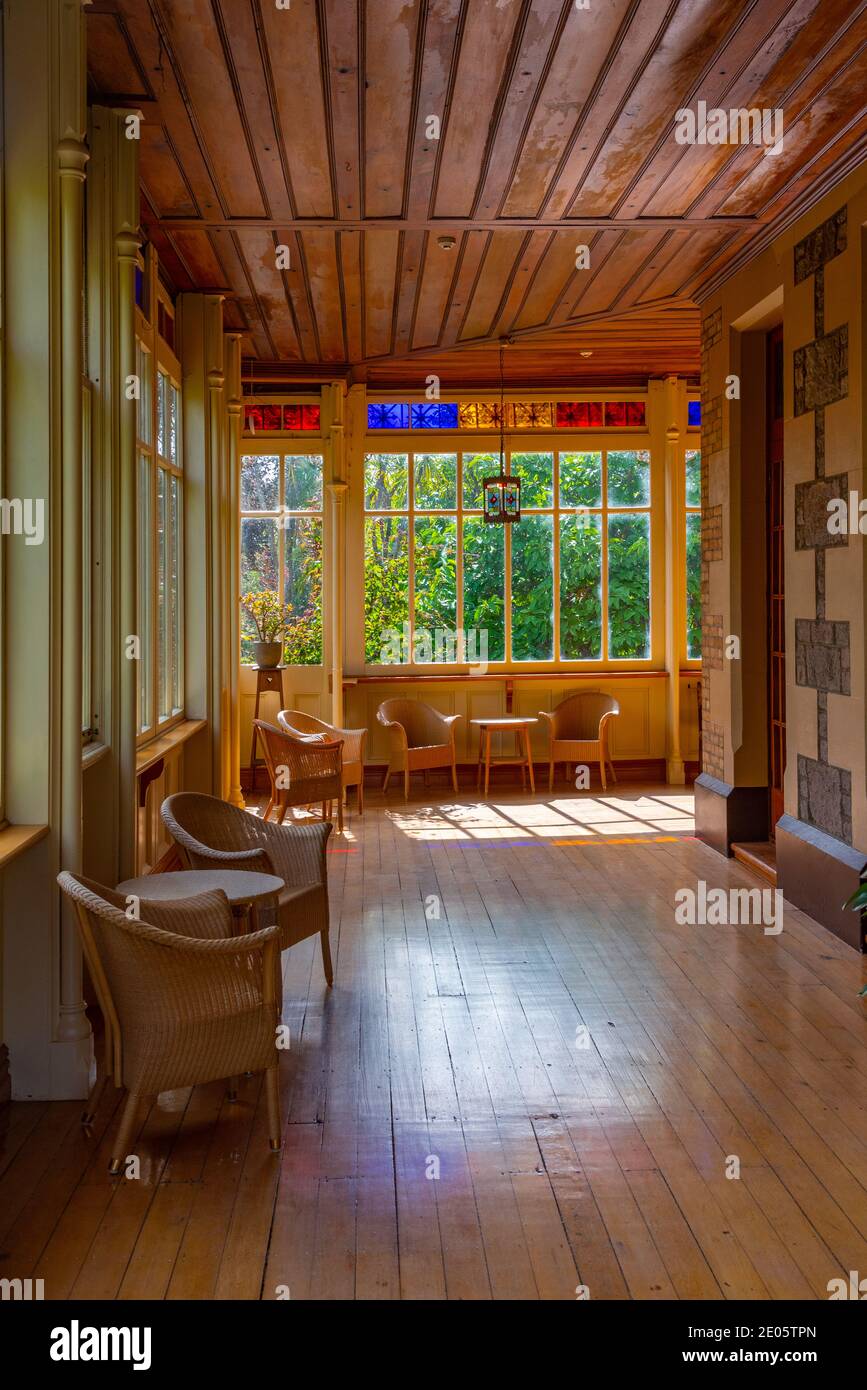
(234, 406)
(673, 403)
(44, 1022)
(337, 490)
(206, 521)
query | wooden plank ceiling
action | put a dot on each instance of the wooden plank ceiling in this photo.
(308, 127)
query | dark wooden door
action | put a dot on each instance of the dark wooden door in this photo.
(776, 553)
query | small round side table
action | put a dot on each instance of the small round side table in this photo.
(244, 889)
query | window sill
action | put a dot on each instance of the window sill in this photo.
(166, 743)
(92, 753)
(513, 676)
(15, 839)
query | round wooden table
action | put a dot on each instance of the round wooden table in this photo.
(521, 729)
(244, 889)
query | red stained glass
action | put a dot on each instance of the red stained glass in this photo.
(301, 417)
(579, 414)
(618, 413)
(261, 417)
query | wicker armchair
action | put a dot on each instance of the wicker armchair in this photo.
(303, 769)
(578, 732)
(293, 721)
(184, 1001)
(212, 834)
(421, 738)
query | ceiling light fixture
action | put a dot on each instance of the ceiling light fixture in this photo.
(502, 494)
(446, 243)
(586, 352)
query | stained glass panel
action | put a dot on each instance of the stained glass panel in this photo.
(579, 415)
(301, 417)
(434, 416)
(531, 415)
(620, 413)
(694, 415)
(388, 415)
(480, 415)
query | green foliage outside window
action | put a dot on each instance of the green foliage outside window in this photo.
(625, 480)
(299, 489)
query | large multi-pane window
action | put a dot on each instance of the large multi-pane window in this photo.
(570, 581)
(281, 546)
(160, 530)
(693, 553)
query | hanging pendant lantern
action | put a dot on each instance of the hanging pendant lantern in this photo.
(502, 499)
(502, 494)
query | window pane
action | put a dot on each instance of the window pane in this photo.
(174, 453)
(580, 588)
(581, 480)
(385, 482)
(436, 481)
(484, 586)
(536, 472)
(436, 555)
(260, 569)
(477, 467)
(693, 477)
(143, 405)
(629, 586)
(302, 589)
(303, 483)
(177, 587)
(260, 483)
(386, 588)
(533, 589)
(628, 478)
(86, 562)
(163, 596)
(145, 595)
(693, 586)
(162, 413)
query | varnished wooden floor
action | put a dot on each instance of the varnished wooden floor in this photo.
(453, 1042)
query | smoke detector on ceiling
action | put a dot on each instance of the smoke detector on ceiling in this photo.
(587, 352)
(446, 243)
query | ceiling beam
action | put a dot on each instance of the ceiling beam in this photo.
(445, 225)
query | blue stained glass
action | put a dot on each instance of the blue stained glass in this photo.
(436, 416)
(694, 416)
(388, 416)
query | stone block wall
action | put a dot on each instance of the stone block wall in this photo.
(811, 279)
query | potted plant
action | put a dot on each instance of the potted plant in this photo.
(271, 618)
(858, 902)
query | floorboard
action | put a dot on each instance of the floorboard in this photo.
(529, 1082)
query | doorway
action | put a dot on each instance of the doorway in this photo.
(776, 580)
